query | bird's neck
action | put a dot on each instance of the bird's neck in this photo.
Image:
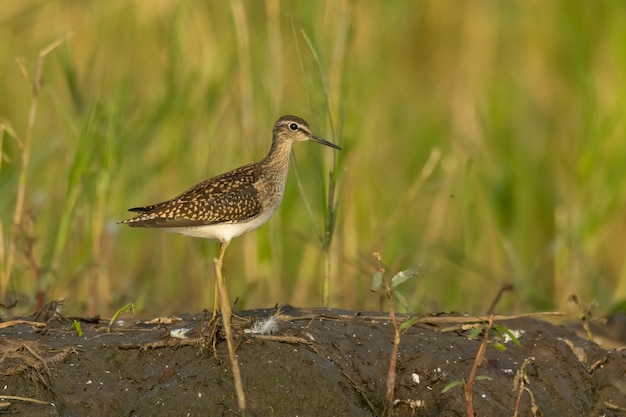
(278, 157)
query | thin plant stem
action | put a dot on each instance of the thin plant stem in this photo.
(330, 213)
(305, 199)
(326, 281)
(26, 145)
(467, 387)
(393, 360)
(243, 54)
(521, 380)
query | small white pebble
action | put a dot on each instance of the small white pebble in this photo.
(415, 377)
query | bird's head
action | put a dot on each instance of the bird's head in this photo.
(295, 129)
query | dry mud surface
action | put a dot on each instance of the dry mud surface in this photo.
(317, 362)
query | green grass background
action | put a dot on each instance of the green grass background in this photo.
(483, 145)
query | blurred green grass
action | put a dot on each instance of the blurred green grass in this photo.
(518, 106)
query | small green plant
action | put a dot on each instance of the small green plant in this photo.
(76, 326)
(502, 333)
(129, 306)
(379, 282)
(467, 386)
(461, 381)
(585, 313)
(475, 331)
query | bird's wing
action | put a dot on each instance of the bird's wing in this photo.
(228, 198)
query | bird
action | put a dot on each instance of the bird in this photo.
(233, 203)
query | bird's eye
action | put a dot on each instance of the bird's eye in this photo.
(293, 126)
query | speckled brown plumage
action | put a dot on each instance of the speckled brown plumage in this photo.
(235, 202)
(230, 197)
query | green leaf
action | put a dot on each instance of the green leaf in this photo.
(402, 300)
(475, 332)
(451, 385)
(76, 325)
(410, 321)
(402, 276)
(499, 346)
(377, 281)
(503, 330)
(129, 306)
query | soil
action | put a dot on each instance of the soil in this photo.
(314, 362)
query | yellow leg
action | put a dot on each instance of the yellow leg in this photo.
(216, 297)
(226, 316)
(220, 260)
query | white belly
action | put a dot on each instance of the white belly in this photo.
(222, 232)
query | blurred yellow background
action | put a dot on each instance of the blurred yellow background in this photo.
(483, 144)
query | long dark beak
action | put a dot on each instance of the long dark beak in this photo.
(324, 142)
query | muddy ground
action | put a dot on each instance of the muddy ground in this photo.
(317, 362)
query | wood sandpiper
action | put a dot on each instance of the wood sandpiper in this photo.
(236, 202)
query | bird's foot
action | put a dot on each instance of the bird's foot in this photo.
(208, 333)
